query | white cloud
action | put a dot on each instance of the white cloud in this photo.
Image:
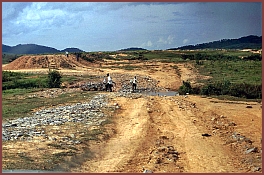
(11, 10)
(168, 40)
(147, 44)
(42, 15)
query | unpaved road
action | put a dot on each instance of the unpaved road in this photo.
(146, 126)
(177, 133)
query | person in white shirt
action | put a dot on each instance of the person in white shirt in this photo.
(134, 83)
(109, 83)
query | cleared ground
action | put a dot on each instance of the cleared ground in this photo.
(173, 133)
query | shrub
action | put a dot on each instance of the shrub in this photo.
(10, 76)
(242, 90)
(185, 88)
(54, 79)
(255, 57)
(246, 90)
(209, 89)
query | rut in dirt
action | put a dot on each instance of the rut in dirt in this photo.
(155, 133)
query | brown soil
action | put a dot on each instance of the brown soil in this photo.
(146, 127)
(174, 133)
(47, 61)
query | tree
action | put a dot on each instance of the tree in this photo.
(185, 88)
(54, 79)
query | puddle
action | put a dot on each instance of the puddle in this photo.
(160, 93)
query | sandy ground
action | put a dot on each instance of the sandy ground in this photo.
(177, 133)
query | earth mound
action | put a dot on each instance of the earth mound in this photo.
(48, 61)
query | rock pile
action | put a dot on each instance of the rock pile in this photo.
(28, 127)
(90, 86)
(145, 84)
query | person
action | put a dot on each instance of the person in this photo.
(109, 83)
(67, 54)
(134, 83)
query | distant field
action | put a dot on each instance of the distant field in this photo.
(231, 67)
(234, 71)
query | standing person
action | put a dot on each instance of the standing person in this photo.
(109, 83)
(134, 83)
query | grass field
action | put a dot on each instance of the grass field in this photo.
(234, 71)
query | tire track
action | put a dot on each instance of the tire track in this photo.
(114, 155)
(203, 154)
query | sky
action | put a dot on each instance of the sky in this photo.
(111, 26)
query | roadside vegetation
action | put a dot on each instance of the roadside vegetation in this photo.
(234, 75)
(17, 90)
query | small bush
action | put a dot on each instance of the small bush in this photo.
(54, 79)
(185, 88)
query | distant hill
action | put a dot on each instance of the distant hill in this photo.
(5, 48)
(247, 42)
(34, 49)
(72, 50)
(133, 49)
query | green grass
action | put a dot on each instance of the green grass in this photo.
(16, 102)
(232, 98)
(14, 107)
(13, 92)
(168, 56)
(234, 71)
(71, 78)
(176, 56)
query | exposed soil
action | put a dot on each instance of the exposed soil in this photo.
(169, 134)
(147, 127)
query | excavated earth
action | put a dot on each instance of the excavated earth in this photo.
(179, 133)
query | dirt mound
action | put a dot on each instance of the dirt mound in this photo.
(47, 61)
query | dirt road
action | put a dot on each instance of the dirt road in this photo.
(178, 133)
(164, 134)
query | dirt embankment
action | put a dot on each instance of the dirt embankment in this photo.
(176, 133)
(47, 61)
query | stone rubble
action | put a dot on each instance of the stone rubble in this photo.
(145, 84)
(28, 127)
